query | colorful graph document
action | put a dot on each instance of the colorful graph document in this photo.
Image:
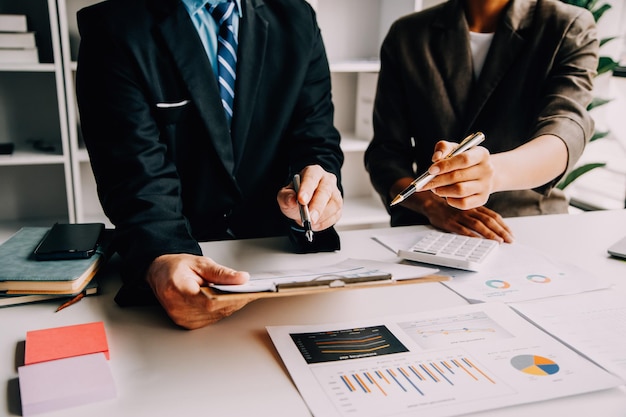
(592, 323)
(436, 363)
(515, 273)
(519, 273)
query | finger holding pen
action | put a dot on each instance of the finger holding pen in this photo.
(456, 169)
(318, 190)
(465, 181)
(424, 181)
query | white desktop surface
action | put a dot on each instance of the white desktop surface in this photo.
(232, 369)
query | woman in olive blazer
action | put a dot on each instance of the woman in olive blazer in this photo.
(530, 100)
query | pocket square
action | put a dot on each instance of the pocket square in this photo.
(171, 105)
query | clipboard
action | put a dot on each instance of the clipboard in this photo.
(317, 286)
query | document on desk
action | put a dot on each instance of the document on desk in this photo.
(432, 364)
(519, 273)
(338, 274)
(515, 273)
(592, 323)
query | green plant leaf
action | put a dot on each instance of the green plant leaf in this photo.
(576, 173)
(606, 40)
(606, 64)
(597, 102)
(597, 13)
(599, 135)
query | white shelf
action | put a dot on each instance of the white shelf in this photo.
(36, 186)
(8, 67)
(82, 155)
(355, 66)
(350, 143)
(20, 157)
(363, 212)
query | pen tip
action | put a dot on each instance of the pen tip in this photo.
(396, 200)
(309, 236)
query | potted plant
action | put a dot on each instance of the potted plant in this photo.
(606, 64)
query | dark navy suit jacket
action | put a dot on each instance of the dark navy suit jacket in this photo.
(168, 170)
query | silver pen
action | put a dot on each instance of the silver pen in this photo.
(305, 216)
(467, 143)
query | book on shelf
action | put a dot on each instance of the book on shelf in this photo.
(22, 274)
(366, 92)
(19, 56)
(13, 23)
(17, 40)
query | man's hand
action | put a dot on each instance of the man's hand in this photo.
(319, 190)
(176, 280)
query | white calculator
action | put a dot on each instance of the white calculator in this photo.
(450, 249)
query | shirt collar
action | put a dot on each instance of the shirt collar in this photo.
(194, 5)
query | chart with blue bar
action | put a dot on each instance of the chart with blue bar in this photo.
(432, 364)
(409, 382)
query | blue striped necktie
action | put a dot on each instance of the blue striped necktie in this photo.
(226, 53)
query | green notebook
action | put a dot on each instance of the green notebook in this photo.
(21, 273)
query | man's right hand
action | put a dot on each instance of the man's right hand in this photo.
(176, 280)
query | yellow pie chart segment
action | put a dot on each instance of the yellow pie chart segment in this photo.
(535, 365)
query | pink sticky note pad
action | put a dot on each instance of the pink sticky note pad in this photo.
(64, 383)
(64, 342)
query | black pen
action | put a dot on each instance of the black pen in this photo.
(305, 216)
(467, 143)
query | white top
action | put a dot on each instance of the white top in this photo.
(479, 43)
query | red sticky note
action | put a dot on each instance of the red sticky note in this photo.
(65, 342)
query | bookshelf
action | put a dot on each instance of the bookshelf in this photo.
(88, 207)
(36, 186)
(353, 31)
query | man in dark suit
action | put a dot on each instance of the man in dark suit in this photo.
(173, 169)
(520, 71)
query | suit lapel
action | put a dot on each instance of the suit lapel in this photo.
(187, 51)
(505, 47)
(253, 43)
(453, 57)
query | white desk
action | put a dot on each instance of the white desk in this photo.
(232, 369)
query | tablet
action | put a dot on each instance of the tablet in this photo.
(618, 249)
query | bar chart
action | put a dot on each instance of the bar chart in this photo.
(389, 385)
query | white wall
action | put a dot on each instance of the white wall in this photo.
(613, 23)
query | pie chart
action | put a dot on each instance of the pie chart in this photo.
(535, 365)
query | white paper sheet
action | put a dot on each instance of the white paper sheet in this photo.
(349, 268)
(593, 323)
(519, 273)
(436, 363)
